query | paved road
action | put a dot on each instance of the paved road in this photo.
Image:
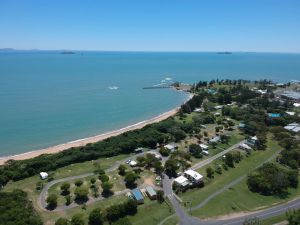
(44, 193)
(209, 160)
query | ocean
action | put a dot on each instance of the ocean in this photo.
(48, 98)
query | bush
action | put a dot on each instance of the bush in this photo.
(81, 194)
(95, 217)
(78, 183)
(51, 201)
(104, 178)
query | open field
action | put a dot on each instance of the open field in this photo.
(151, 213)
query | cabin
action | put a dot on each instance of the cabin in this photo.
(43, 175)
(137, 195)
(151, 192)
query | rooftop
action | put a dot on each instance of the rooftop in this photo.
(197, 176)
(182, 181)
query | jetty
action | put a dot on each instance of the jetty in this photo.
(157, 87)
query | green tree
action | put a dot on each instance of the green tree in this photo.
(210, 172)
(171, 166)
(51, 201)
(130, 179)
(93, 180)
(68, 199)
(104, 178)
(95, 217)
(122, 169)
(62, 221)
(229, 159)
(106, 187)
(160, 196)
(77, 219)
(293, 217)
(78, 183)
(65, 188)
(195, 150)
(81, 194)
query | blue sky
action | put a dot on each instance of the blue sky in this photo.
(151, 25)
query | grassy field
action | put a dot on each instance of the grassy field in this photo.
(151, 213)
(196, 196)
(239, 198)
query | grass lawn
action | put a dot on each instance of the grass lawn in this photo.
(151, 213)
(197, 195)
(274, 220)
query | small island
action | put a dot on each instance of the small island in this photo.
(67, 53)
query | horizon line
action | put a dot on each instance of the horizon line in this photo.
(153, 51)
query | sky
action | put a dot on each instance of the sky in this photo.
(151, 25)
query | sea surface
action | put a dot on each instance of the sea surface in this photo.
(48, 98)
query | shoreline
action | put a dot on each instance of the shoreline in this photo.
(92, 139)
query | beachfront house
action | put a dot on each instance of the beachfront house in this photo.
(43, 175)
(137, 195)
(151, 192)
(193, 176)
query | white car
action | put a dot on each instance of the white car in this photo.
(128, 161)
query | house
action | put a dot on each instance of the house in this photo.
(296, 104)
(43, 175)
(198, 110)
(291, 95)
(151, 192)
(203, 147)
(133, 163)
(204, 152)
(294, 127)
(262, 92)
(245, 147)
(215, 139)
(170, 147)
(137, 195)
(242, 126)
(182, 182)
(218, 107)
(156, 155)
(290, 113)
(138, 150)
(252, 141)
(217, 114)
(193, 176)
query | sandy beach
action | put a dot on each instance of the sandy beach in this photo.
(85, 141)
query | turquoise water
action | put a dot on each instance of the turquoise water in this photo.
(47, 98)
